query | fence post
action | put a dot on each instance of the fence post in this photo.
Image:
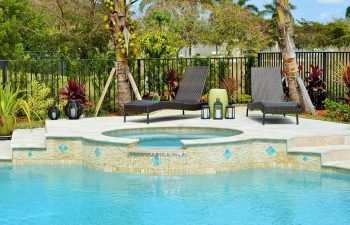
(3, 65)
(325, 67)
(259, 58)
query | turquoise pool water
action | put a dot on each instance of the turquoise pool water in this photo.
(169, 139)
(37, 195)
(171, 136)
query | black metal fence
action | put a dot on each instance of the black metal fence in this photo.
(332, 64)
(150, 74)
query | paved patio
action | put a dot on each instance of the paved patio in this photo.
(312, 136)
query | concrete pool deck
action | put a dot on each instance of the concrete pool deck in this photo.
(328, 141)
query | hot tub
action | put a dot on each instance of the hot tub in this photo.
(170, 137)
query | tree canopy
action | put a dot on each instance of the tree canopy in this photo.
(78, 28)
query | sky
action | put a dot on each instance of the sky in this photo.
(314, 10)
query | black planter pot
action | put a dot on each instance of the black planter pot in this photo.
(54, 113)
(74, 109)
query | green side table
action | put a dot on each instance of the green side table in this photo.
(213, 95)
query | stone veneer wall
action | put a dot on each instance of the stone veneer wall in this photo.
(204, 159)
(58, 151)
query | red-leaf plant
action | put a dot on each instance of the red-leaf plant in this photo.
(173, 82)
(75, 91)
(346, 79)
(316, 86)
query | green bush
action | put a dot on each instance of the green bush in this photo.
(39, 100)
(337, 110)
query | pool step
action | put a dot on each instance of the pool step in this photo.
(5, 151)
(313, 141)
(335, 156)
(338, 164)
(320, 149)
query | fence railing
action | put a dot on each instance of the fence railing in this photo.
(332, 64)
(150, 74)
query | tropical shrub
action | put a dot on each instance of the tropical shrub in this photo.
(39, 100)
(243, 98)
(316, 87)
(346, 79)
(173, 83)
(75, 91)
(230, 85)
(337, 110)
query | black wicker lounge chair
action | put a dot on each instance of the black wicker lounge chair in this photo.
(267, 94)
(187, 97)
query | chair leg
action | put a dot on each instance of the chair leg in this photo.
(147, 118)
(183, 112)
(297, 116)
(124, 117)
(284, 114)
(264, 118)
(247, 112)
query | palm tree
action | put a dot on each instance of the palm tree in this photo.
(270, 9)
(252, 8)
(116, 21)
(347, 14)
(286, 43)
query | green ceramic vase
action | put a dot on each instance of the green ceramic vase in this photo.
(213, 95)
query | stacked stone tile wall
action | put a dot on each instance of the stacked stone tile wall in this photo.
(201, 159)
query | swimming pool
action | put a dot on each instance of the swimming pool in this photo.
(75, 195)
(170, 136)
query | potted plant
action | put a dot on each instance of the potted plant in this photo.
(10, 104)
(77, 100)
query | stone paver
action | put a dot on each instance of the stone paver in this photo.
(5, 150)
(29, 138)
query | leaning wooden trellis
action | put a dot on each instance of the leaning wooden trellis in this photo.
(108, 83)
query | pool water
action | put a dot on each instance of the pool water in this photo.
(69, 195)
(170, 139)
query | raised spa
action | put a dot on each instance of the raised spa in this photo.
(166, 137)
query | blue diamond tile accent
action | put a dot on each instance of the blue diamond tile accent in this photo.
(227, 154)
(155, 160)
(30, 154)
(305, 158)
(63, 148)
(271, 151)
(97, 152)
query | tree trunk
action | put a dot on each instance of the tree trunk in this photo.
(123, 85)
(124, 93)
(287, 46)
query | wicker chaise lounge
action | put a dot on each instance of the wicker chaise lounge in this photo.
(267, 94)
(187, 97)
